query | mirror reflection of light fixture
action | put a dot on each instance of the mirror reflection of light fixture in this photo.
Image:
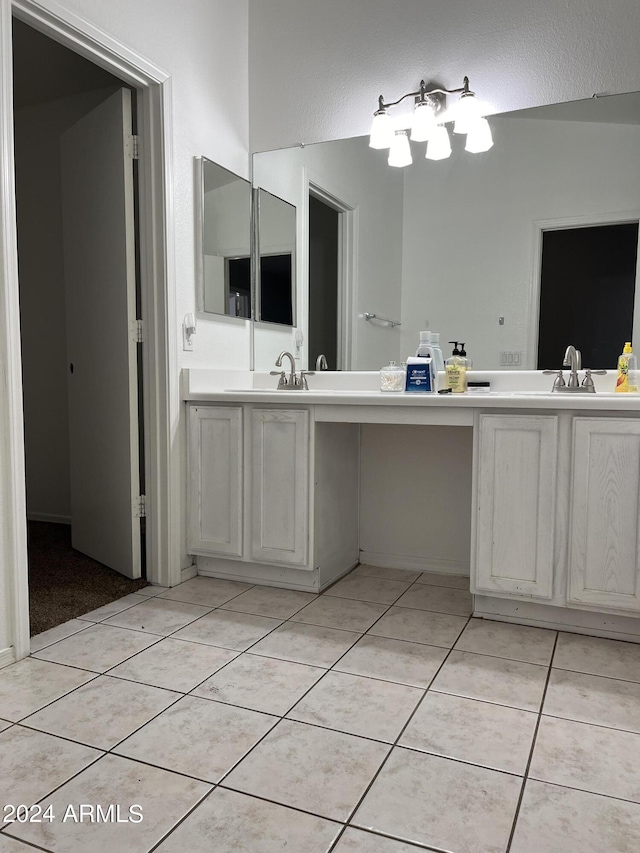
(428, 124)
(400, 150)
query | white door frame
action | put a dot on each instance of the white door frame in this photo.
(347, 263)
(586, 221)
(160, 361)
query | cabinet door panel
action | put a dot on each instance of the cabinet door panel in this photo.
(280, 486)
(515, 512)
(215, 484)
(604, 560)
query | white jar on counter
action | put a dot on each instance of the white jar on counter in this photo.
(392, 377)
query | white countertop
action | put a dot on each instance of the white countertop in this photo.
(513, 390)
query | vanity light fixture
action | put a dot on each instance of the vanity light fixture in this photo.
(428, 124)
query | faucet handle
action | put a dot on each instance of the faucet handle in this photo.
(587, 382)
(283, 382)
(559, 380)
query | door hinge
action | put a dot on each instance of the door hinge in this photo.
(137, 331)
(140, 507)
(133, 146)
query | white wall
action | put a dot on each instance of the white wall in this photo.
(353, 176)
(469, 226)
(42, 299)
(316, 69)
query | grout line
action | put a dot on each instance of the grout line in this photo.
(182, 819)
(531, 751)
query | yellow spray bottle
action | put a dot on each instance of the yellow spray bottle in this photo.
(627, 381)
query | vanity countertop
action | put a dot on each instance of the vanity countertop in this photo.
(513, 390)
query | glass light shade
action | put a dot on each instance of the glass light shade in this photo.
(479, 137)
(439, 144)
(467, 111)
(424, 121)
(382, 130)
(400, 151)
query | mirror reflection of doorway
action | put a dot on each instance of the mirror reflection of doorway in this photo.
(587, 293)
(324, 225)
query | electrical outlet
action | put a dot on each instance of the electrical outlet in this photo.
(187, 340)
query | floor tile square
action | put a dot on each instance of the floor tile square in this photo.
(164, 799)
(365, 588)
(505, 640)
(153, 589)
(306, 644)
(345, 613)
(419, 626)
(12, 845)
(98, 648)
(560, 820)
(114, 607)
(504, 682)
(174, 664)
(393, 660)
(247, 825)
(440, 599)
(47, 638)
(357, 841)
(444, 579)
(34, 764)
(402, 575)
(593, 699)
(270, 601)
(309, 768)
(158, 616)
(592, 758)
(478, 732)
(598, 656)
(198, 738)
(31, 684)
(261, 684)
(358, 706)
(229, 629)
(103, 712)
(211, 592)
(441, 803)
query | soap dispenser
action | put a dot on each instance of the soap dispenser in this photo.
(456, 370)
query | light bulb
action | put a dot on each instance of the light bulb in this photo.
(439, 144)
(424, 121)
(382, 131)
(400, 151)
(467, 111)
(479, 137)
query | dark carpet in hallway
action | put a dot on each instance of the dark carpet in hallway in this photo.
(63, 583)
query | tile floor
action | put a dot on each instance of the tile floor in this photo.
(376, 718)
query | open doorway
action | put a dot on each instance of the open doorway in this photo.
(55, 90)
(587, 292)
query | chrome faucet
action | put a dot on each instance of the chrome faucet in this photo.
(321, 362)
(573, 360)
(294, 381)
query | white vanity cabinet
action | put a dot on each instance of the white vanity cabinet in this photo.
(280, 486)
(515, 504)
(215, 500)
(604, 558)
(273, 495)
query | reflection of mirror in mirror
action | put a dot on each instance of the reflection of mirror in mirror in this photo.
(456, 246)
(276, 253)
(223, 229)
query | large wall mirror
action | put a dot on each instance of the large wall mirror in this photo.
(518, 251)
(223, 240)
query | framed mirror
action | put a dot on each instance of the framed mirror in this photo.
(223, 240)
(463, 246)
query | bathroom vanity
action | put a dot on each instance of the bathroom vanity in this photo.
(282, 485)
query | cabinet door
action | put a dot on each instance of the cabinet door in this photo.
(215, 480)
(280, 486)
(604, 560)
(515, 504)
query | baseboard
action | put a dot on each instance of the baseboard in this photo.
(7, 656)
(49, 517)
(417, 564)
(558, 618)
(189, 572)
